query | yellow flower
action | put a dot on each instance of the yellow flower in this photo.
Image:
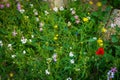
(85, 19)
(90, 2)
(11, 74)
(104, 30)
(55, 38)
(100, 42)
(99, 4)
(55, 27)
(56, 35)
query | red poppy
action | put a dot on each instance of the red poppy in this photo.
(100, 51)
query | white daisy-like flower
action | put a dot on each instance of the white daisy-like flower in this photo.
(41, 24)
(47, 72)
(69, 23)
(69, 78)
(34, 10)
(13, 56)
(54, 57)
(71, 54)
(30, 40)
(31, 5)
(10, 46)
(24, 52)
(37, 19)
(14, 33)
(23, 40)
(72, 61)
(32, 36)
(71, 9)
(22, 11)
(55, 9)
(35, 13)
(94, 38)
(61, 8)
(41, 29)
(46, 12)
(88, 17)
(1, 43)
(113, 25)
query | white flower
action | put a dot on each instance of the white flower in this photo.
(34, 10)
(69, 78)
(72, 61)
(47, 72)
(24, 52)
(61, 8)
(22, 11)
(37, 19)
(113, 25)
(94, 38)
(23, 40)
(31, 5)
(41, 24)
(41, 29)
(69, 23)
(14, 33)
(55, 9)
(71, 54)
(88, 17)
(30, 40)
(85, 53)
(46, 12)
(10, 46)
(13, 56)
(32, 36)
(35, 13)
(1, 44)
(54, 57)
(71, 9)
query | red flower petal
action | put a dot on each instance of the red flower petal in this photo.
(100, 51)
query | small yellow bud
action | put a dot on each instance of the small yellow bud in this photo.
(55, 38)
(11, 74)
(56, 35)
(90, 2)
(55, 27)
(99, 4)
(104, 30)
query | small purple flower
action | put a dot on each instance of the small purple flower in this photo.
(1, 6)
(18, 6)
(114, 69)
(111, 73)
(8, 5)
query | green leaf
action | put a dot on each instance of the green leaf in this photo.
(114, 38)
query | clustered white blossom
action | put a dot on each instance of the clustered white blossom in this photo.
(56, 9)
(10, 46)
(47, 72)
(69, 78)
(1, 43)
(71, 55)
(54, 57)
(23, 40)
